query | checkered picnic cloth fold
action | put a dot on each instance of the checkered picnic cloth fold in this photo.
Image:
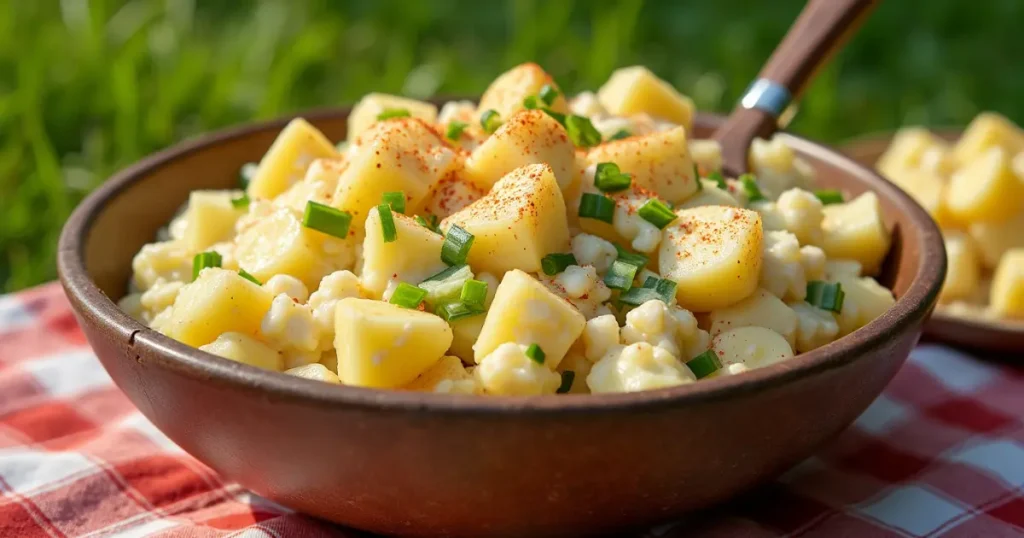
(941, 452)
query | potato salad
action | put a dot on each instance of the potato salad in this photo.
(533, 243)
(974, 189)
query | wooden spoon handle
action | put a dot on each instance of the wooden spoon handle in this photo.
(821, 29)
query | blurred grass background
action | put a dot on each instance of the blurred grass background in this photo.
(89, 86)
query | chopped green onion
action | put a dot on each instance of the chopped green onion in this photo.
(568, 377)
(559, 117)
(595, 206)
(530, 103)
(447, 273)
(396, 200)
(474, 293)
(241, 202)
(326, 219)
(387, 223)
(657, 213)
(696, 177)
(455, 128)
(408, 296)
(456, 311)
(490, 121)
(581, 131)
(555, 263)
(620, 134)
(653, 289)
(548, 94)
(609, 178)
(632, 258)
(203, 260)
(393, 113)
(456, 245)
(750, 188)
(716, 176)
(829, 196)
(825, 295)
(445, 287)
(246, 173)
(245, 274)
(620, 275)
(432, 225)
(535, 353)
(704, 364)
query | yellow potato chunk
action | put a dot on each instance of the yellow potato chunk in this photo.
(986, 131)
(855, 231)
(751, 347)
(865, 300)
(210, 218)
(280, 244)
(707, 154)
(713, 253)
(318, 185)
(447, 375)
(519, 222)
(384, 345)
(658, 162)
(399, 155)
(1007, 295)
(906, 150)
(985, 189)
(246, 350)
(365, 113)
(528, 137)
(284, 164)
(505, 95)
(710, 194)
(993, 239)
(217, 302)
(412, 257)
(452, 194)
(928, 189)
(526, 312)
(761, 309)
(635, 90)
(963, 268)
(315, 371)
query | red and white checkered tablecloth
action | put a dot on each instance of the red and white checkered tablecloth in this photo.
(941, 452)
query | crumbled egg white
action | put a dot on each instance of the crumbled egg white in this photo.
(814, 328)
(782, 272)
(509, 371)
(582, 287)
(593, 250)
(654, 322)
(168, 261)
(599, 335)
(802, 211)
(637, 367)
(290, 326)
(287, 285)
(333, 288)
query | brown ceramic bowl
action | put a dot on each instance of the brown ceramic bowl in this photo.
(990, 336)
(431, 465)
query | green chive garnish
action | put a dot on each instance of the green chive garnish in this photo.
(829, 196)
(431, 225)
(446, 273)
(456, 245)
(620, 275)
(455, 128)
(559, 117)
(203, 260)
(530, 103)
(825, 295)
(620, 134)
(393, 113)
(456, 311)
(245, 274)
(653, 289)
(696, 177)
(474, 293)
(387, 223)
(548, 94)
(609, 178)
(241, 202)
(582, 133)
(408, 296)
(704, 364)
(326, 219)
(750, 188)
(716, 176)
(632, 258)
(657, 213)
(595, 206)
(396, 200)
(568, 377)
(490, 121)
(555, 263)
(535, 353)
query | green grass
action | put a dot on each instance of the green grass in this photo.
(87, 87)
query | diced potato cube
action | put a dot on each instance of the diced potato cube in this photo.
(834, 269)
(217, 302)
(519, 222)
(1007, 295)
(855, 231)
(752, 347)
(446, 375)
(526, 312)
(365, 113)
(986, 131)
(714, 255)
(505, 95)
(246, 350)
(384, 345)
(400, 155)
(318, 185)
(634, 90)
(528, 137)
(710, 194)
(906, 150)
(452, 194)
(465, 333)
(210, 218)
(412, 257)
(993, 239)
(659, 162)
(963, 268)
(864, 301)
(284, 164)
(316, 372)
(761, 309)
(707, 154)
(928, 189)
(280, 244)
(985, 189)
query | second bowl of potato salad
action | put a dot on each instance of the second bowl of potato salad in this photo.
(531, 314)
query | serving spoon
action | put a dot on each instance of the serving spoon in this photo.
(819, 31)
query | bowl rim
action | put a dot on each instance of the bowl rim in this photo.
(164, 352)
